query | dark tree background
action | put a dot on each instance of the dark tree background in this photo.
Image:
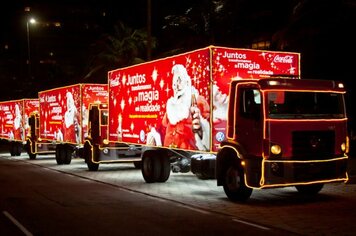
(80, 41)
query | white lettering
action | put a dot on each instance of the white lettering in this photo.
(148, 96)
(283, 59)
(136, 79)
(249, 66)
(114, 83)
(235, 55)
(51, 98)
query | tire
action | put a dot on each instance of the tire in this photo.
(67, 155)
(18, 149)
(165, 169)
(59, 154)
(12, 153)
(87, 153)
(310, 190)
(29, 149)
(234, 185)
(13, 149)
(32, 156)
(151, 167)
(92, 166)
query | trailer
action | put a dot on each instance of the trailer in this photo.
(61, 124)
(14, 124)
(242, 116)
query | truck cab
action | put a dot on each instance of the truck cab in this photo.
(283, 132)
(34, 144)
(98, 149)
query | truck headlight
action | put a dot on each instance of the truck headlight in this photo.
(276, 149)
(345, 145)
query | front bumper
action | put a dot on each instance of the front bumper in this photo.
(277, 173)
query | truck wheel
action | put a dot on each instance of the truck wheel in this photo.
(67, 155)
(234, 185)
(32, 156)
(29, 149)
(12, 153)
(92, 166)
(151, 167)
(12, 149)
(18, 149)
(59, 154)
(165, 169)
(88, 155)
(311, 189)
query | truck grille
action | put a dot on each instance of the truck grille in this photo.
(313, 145)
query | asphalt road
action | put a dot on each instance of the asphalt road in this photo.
(36, 200)
(72, 200)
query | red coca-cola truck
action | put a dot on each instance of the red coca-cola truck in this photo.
(14, 124)
(61, 124)
(241, 116)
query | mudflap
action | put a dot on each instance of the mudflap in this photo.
(203, 165)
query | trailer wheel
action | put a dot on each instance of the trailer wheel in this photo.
(234, 185)
(60, 154)
(165, 169)
(12, 152)
(151, 167)
(18, 149)
(67, 155)
(12, 149)
(311, 189)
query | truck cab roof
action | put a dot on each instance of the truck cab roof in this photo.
(298, 84)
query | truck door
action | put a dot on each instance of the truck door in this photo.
(33, 122)
(104, 113)
(94, 123)
(249, 119)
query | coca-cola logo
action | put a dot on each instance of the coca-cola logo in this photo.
(283, 59)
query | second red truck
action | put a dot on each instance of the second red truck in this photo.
(61, 123)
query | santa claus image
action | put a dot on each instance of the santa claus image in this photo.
(187, 115)
(18, 123)
(58, 136)
(220, 101)
(154, 138)
(71, 120)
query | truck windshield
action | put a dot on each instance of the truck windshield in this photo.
(313, 105)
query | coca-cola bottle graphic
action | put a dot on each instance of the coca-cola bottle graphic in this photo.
(196, 127)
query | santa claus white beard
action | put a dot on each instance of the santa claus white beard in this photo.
(69, 118)
(178, 107)
(17, 122)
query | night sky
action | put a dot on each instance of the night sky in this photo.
(329, 55)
